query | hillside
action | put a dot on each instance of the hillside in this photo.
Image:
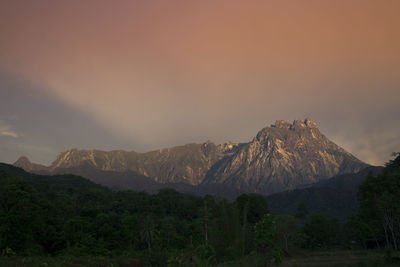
(335, 197)
(62, 182)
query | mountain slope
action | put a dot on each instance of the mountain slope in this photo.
(182, 164)
(105, 180)
(24, 163)
(53, 182)
(349, 181)
(283, 157)
(335, 197)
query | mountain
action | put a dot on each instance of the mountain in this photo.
(182, 164)
(24, 163)
(335, 197)
(283, 156)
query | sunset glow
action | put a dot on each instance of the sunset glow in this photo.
(153, 74)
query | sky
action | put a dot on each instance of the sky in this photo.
(144, 75)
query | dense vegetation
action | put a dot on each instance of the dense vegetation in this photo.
(69, 215)
(39, 218)
(378, 219)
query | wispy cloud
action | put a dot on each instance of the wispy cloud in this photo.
(7, 130)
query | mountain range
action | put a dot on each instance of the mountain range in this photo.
(283, 156)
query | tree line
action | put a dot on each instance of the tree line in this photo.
(377, 222)
(177, 229)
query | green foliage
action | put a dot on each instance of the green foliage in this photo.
(289, 232)
(265, 236)
(302, 212)
(321, 231)
(379, 206)
(255, 205)
(70, 216)
(39, 216)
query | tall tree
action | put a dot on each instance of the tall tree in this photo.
(379, 204)
(266, 238)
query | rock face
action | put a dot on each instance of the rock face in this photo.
(27, 165)
(182, 164)
(283, 157)
(280, 157)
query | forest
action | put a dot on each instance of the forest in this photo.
(66, 216)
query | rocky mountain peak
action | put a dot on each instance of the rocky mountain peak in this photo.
(284, 130)
(283, 124)
(310, 123)
(24, 163)
(284, 156)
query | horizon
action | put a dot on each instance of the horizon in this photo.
(153, 150)
(143, 76)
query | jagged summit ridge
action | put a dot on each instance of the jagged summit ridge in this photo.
(283, 124)
(181, 164)
(284, 156)
(280, 157)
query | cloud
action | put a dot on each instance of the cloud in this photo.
(9, 133)
(165, 74)
(7, 130)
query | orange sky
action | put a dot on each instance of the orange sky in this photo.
(163, 73)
